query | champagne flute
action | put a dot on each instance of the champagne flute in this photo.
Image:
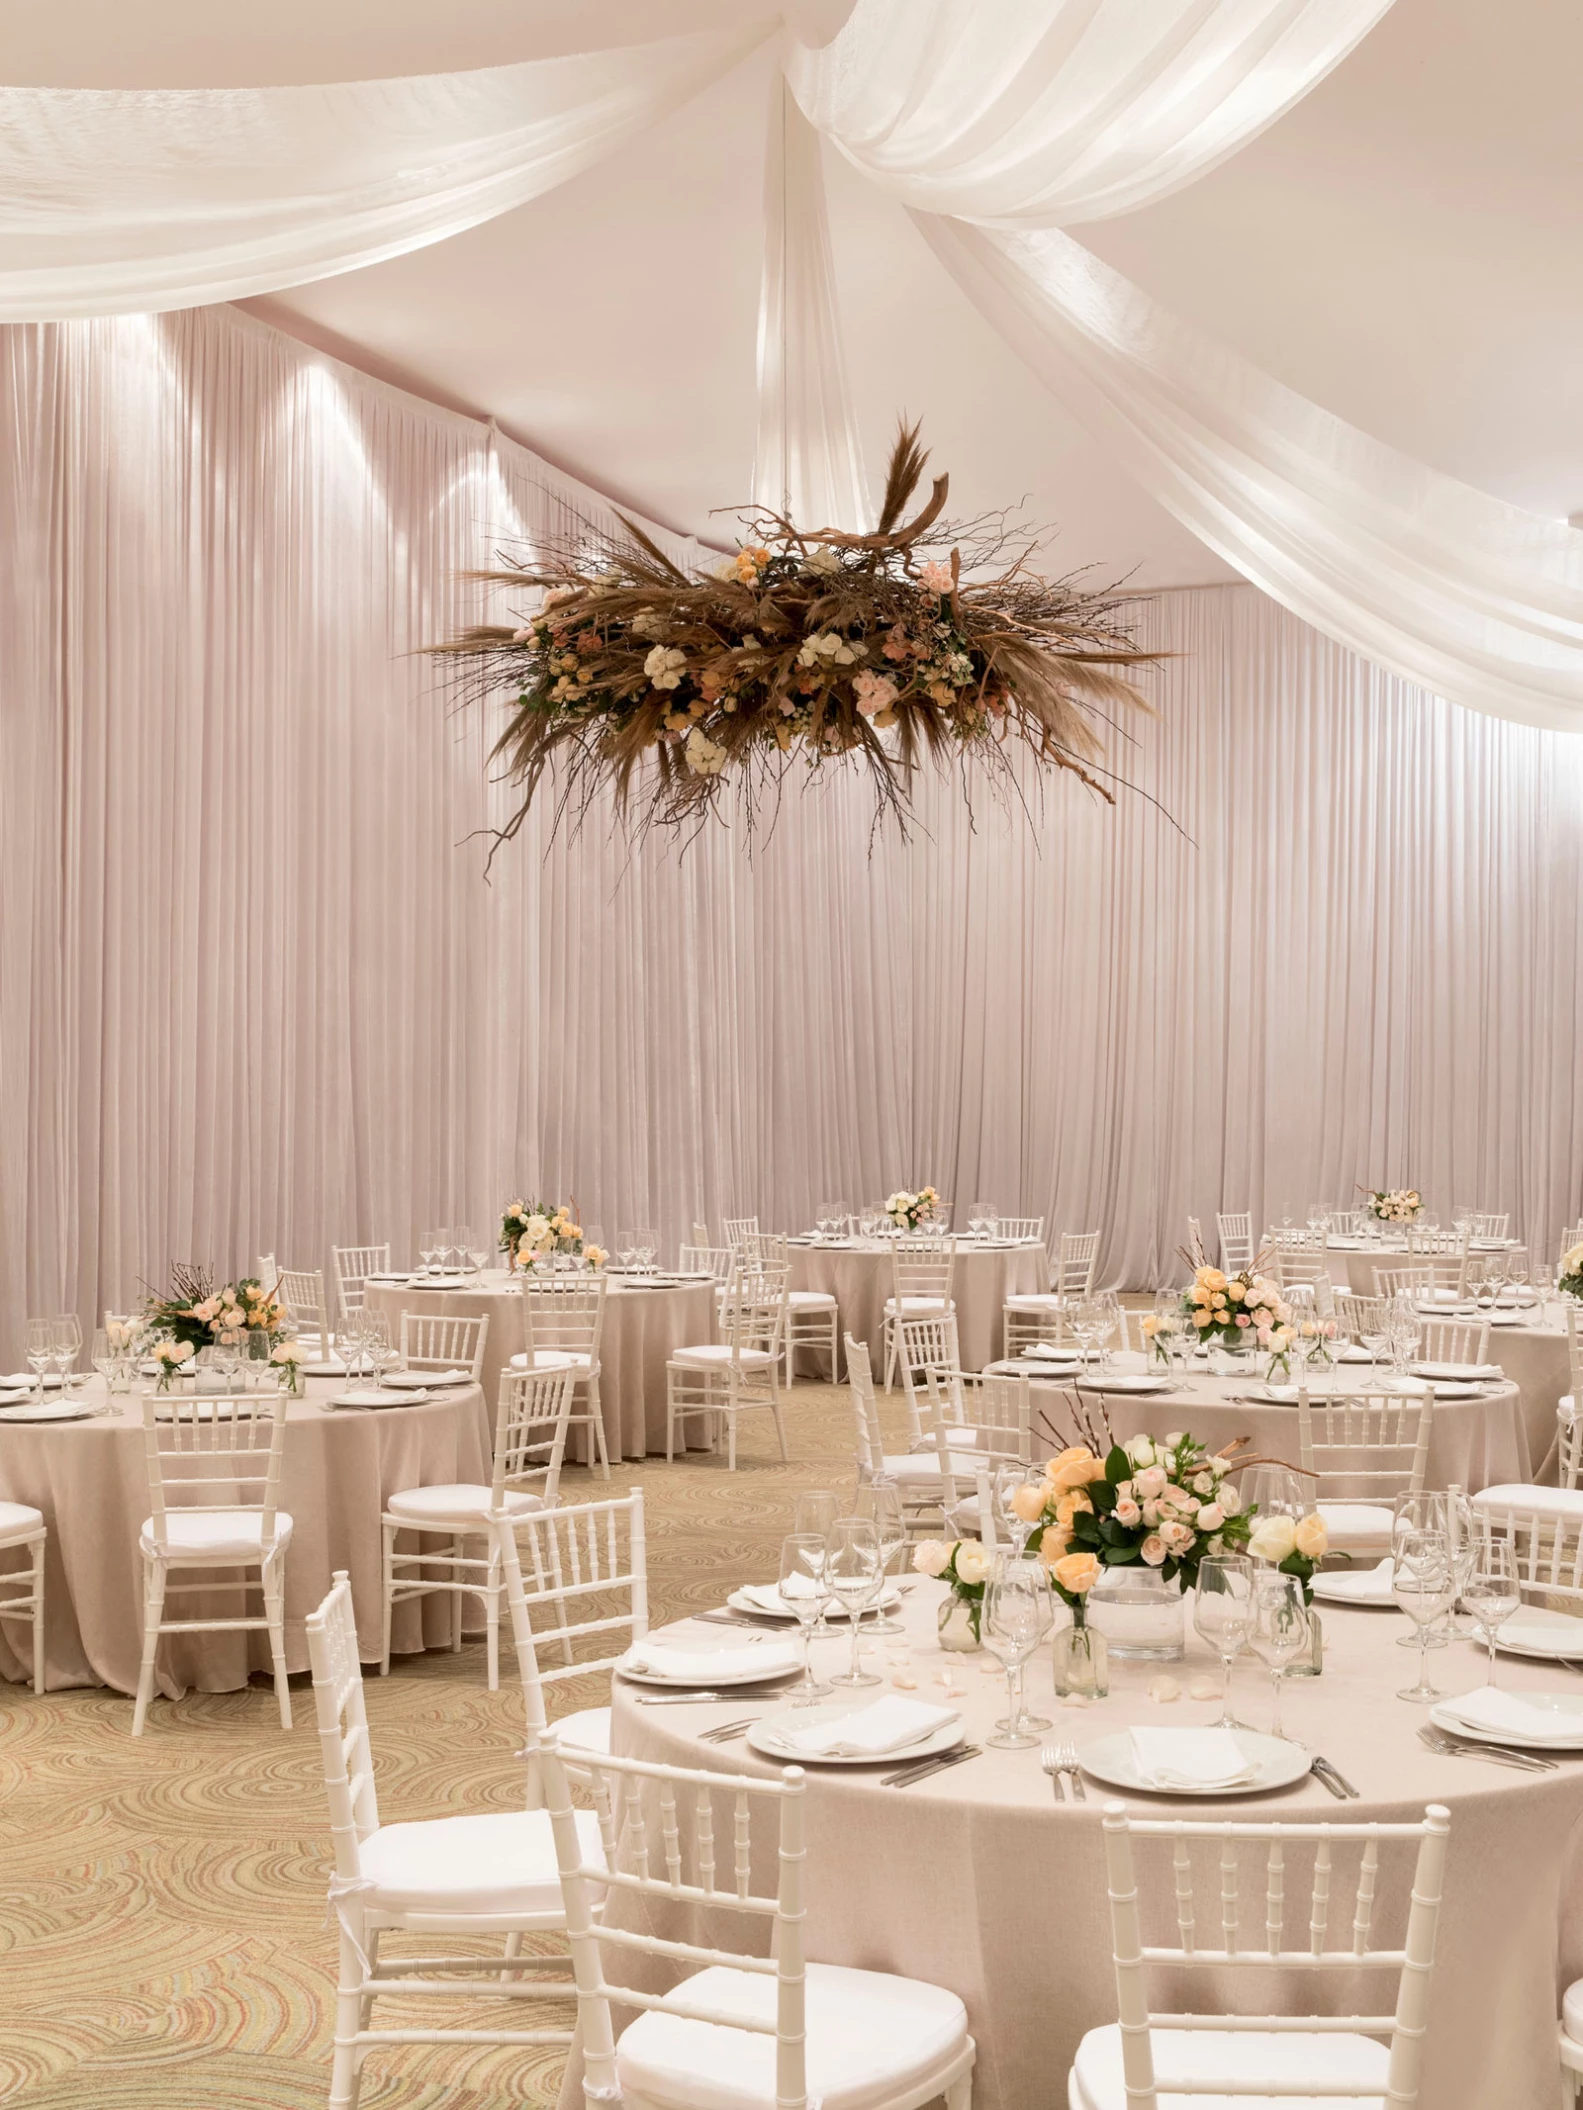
(1492, 1592)
(1278, 1633)
(1018, 1613)
(1423, 1585)
(1223, 1614)
(804, 1594)
(816, 1511)
(463, 1239)
(852, 1573)
(40, 1351)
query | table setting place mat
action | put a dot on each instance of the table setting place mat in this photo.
(375, 1396)
(744, 1661)
(1491, 1714)
(840, 1733)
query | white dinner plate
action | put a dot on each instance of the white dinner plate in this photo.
(763, 1737)
(423, 1380)
(1561, 1704)
(13, 1395)
(1277, 1763)
(388, 1281)
(1353, 1354)
(374, 1399)
(49, 1410)
(1441, 1390)
(1552, 1637)
(1133, 1381)
(22, 1380)
(771, 1606)
(325, 1367)
(725, 1673)
(1459, 1373)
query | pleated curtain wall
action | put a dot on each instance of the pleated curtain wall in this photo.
(256, 991)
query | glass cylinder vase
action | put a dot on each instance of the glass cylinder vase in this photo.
(1080, 1660)
(1141, 1616)
(958, 1629)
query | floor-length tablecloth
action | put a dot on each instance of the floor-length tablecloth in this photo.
(90, 1480)
(860, 1276)
(642, 1327)
(977, 1880)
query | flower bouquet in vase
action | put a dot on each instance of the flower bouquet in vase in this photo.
(964, 1566)
(195, 1314)
(1569, 1276)
(532, 1233)
(1394, 1205)
(1296, 1545)
(1244, 1315)
(910, 1212)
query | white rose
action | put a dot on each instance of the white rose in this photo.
(1230, 1501)
(930, 1556)
(1273, 1539)
(972, 1562)
(1211, 1517)
(1141, 1451)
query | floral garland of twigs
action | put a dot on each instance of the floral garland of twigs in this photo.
(816, 646)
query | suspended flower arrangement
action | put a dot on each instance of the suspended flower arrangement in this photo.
(918, 640)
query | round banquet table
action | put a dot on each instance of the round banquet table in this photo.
(976, 1879)
(642, 1328)
(858, 1273)
(90, 1479)
(1473, 1443)
(1353, 1260)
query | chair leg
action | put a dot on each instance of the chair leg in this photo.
(38, 1616)
(275, 1613)
(731, 1441)
(513, 1949)
(456, 1597)
(670, 1418)
(598, 1418)
(780, 1426)
(153, 1606)
(492, 1590)
(891, 1342)
(345, 2075)
(959, 2096)
(388, 1591)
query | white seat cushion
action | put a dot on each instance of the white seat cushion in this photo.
(919, 1304)
(1353, 1526)
(589, 1730)
(17, 1520)
(1181, 2054)
(552, 1359)
(453, 1505)
(810, 1300)
(922, 1468)
(1046, 1301)
(715, 1353)
(872, 2039)
(1562, 1505)
(1572, 2011)
(216, 1534)
(503, 1862)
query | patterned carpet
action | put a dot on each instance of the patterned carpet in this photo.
(162, 1902)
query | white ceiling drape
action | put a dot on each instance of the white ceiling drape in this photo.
(1054, 111)
(127, 202)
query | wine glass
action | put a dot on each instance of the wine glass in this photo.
(1223, 1615)
(1018, 1612)
(805, 1594)
(646, 1244)
(816, 1511)
(260, 1344)
(1273, 1490)
(880, 1501)
(350, 1344)
(427, 1252)
(1086, 1318)
(444, 1242)
(1009, 1479)
(1278, 1631)
(852, 1573)
(226, 1357)
(40, 1351)
(1423, 1584)
(66, 1344)
(978, 1218)
(1492, 1592)
(1112, 1329)
(462, 1238)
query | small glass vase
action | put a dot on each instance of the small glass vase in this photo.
(1141, 1616)
(1311, 1663)
(1081, 1662)
(1232, 1359)
(959, 1625)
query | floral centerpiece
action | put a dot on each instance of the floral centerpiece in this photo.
(909, 1211)
(1394, 1205)
(203, 1316)
(660, 686)
(1241, 1311)
(1569, 1277)
(533, 1231)
(965, 1566)
(1295, 1545)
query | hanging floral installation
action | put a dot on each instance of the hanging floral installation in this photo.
(922, 639)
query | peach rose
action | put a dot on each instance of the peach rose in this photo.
(1028, 1501)
(1071, 1504)
(1153, 1550)
(1053, 1543)
(1313, 1540)
(1078, 1572)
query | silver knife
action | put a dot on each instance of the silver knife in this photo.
(779, 1626)
(1336, 1774)
(1327, 1779)
(693, 1699)
(922, 1768)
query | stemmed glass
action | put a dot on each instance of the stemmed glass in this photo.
(1018, 1612)
(462, 1240)
(1423, 1584)
(1492, 1592)
(816, 1511)
(1278, 1632)
(1086, 1317)
(1009, 1480)
(647, 1243)
(377, 1349)
(1223, 1615)
(979, 1215)
(66, 1345)
(426, 1252)
(852, 1573)
(880, 1501)
(805, 1594)
(352, 1344)
(1168, 1344)
(40, 1351)
(226, 1356)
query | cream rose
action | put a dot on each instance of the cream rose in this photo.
(1153, 1550)
(1028, 1501)
(931, 1556)
(972, 1562)
(1273, 1539)
(1313, 1540)
(1150, 1484)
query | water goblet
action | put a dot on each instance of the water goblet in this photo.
(816, 1511)
(881, 1502)
(1018, 1613)
(1278, 1632)
(978, 1216)
(1223, 1615)
(1491, 1593)
(852, 1572)
(805, 1594)
(1010, 1480)
(647, 1244)
(1423, 1584)
(65, 1345)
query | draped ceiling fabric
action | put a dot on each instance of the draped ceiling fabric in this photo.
(253, 990)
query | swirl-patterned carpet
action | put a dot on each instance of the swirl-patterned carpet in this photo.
(162, 1902)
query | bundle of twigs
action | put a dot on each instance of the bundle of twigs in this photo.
(805, 645)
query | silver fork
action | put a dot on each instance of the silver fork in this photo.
(1496, 1754)
(727, 1732)
(1050, 1760)
(1067, 1761)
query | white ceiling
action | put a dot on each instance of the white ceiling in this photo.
(1402, 247)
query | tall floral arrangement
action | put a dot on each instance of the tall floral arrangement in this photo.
(909, 1212)
(1244, 1310)
(1394, 1205)
(532, 1231)
(921, 639)
(200, 1314)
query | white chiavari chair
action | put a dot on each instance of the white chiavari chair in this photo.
(1544, 1527)
(1195, 1235)
(564, 1319)
(737, 1230)
(268, 1272)
(1454, 1341)
(1569, 1407)
(1569, 1238)
(928, 1342)
(353, 1266)
(22, 1530)
(722, 1380)
(301, 1290)
(979, 1424)
(1358, 1315)
(490, 1874)
(701, 1234)
(1416, 1281)
(915, 1472)
(530, 1444)
(1306, 1268)
(813, 1318)
(1030, 1322)
(746, 2029)
(577, 1585)
(715, 1260)
(1076, 1262)
(1027, 1230)
(1038, 1315)
(439, 1341)
(1152, 2060)
(1363, 1450)
(922, 1270)
(214, 1491)
(1235, 1229)
(1487, 1223)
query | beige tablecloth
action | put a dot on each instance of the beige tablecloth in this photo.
(979, 1881)
(1472, 1443)
(90, 1480)
(642, 1328)
(861, 1277)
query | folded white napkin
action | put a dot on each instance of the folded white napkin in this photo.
(417, 1379)
(1492, 1708)
(1190, 1758)
(1361, 1582)
(869, 1732)
(1454, 1373)
(765, 1654)
(1047, 1352)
